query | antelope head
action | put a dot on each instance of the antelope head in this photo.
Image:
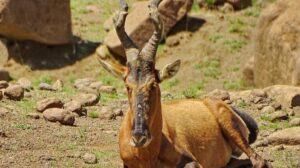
(140, 76)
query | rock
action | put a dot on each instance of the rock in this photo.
(14, 92)
(267, 110)
(85, 82)
(59, 115)
(227, 8)
(4, 55)
(108, 89)
(58, 85)
(218, 94)
(279, 115)
(107, 113)
(295, 122)
(75, 107)
(25, 83)
(240, 4)
(96, 85)
(27, 95)
(261, 106)
(49, 103)
(276, 106)
(4, 75)
(46, 86)
(248, 71)
(89, 158)
(277, 46)
(2, 134)
(89, 90)
(86, 99)
(288, 96)
(289, 136)
(3, 84)
(140, 28)
(33, 115)
(3, 111)
(26, 20)
(172, 41)
(259, 93)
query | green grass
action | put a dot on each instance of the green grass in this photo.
(169, 84)
(42, 79)
(23, 126)
(195, 8)
(210, 2)
(210, 68)
(93, 114)
(234, 46)
(242, 104)
(237, 26)
(107, 97)
(194, 91)
(215, 38)
(161, 48)
(25, 105)
(235, 85)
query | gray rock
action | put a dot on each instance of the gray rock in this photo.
(75, 107)
(59, 115)
(85, 82)
(107, 113)
(96, 85)
(49, 103)
(25, 83)
(46, 86)
(295, 122)
(89, 158)
(14, 92)
(279, 115)
(289, 136)
(267, 110)
(218, 94)
(58, 85)
(4, 75)
(108, 89)
(3, 84)
(86, 99)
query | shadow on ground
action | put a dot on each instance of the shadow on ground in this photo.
(43, 57)
(189, 24)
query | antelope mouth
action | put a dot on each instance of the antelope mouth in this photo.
(141, 142)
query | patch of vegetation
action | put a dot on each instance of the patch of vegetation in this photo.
(237, 26)
(93, 114)
(242, 104)
(106, 97)
(210, 68)
(42, 79)
(25, 105)
(234, 85)
(215, 38)
(195, 91)
(67, 91)
(169, 84)
(234, 46)
(23, 126)
(161, 48)
(195, 8)
(210, 2)
(275, 125)
(253, 11)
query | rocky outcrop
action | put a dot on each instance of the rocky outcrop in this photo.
(47, 22)
(277, 60)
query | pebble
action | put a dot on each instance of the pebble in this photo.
(89, 158)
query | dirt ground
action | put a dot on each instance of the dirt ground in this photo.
(214, 47)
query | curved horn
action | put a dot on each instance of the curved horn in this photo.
(131, 50)
(149, 50)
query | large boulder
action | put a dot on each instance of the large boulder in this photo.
(3, 52)
(289, 136)
(236, 4)
(47, 21)
(140, 28)
(277, 60)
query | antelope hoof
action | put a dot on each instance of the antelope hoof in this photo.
(259, 162)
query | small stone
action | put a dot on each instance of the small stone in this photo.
(46, 86)
(268, 110)
(107, 113)
(85, 82)
(86, 99)
(259, 93)
(172, 41)
(279, 116)
(14, 92)
(3, 111)
(291, 113)
(119, 112)
(227, 8)
(260, 106)
(33, 115)
(218, 94)
(58, 85)
(96, 85)
(108, 89)
(59, 115)
(276, 106)
(89, 158)
(2, 134)
(3, 84)
(25, 83)
(288, 136)
(27, 94)
(75, 107)
(295, 122)
(257, 100)
(49, 103)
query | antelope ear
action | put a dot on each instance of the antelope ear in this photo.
(169, 70)
(109, 63)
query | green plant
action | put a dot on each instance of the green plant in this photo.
(236, 26)
(234, 85)
(234, 46)
(242, 104)
(210, 2)
(195, 8)
(215, 38)
(93, 114)
(210, 68)
(23, 126)
(169, 84)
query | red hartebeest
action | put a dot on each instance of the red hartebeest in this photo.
(155, 134)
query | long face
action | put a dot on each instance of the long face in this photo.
(143, 90)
